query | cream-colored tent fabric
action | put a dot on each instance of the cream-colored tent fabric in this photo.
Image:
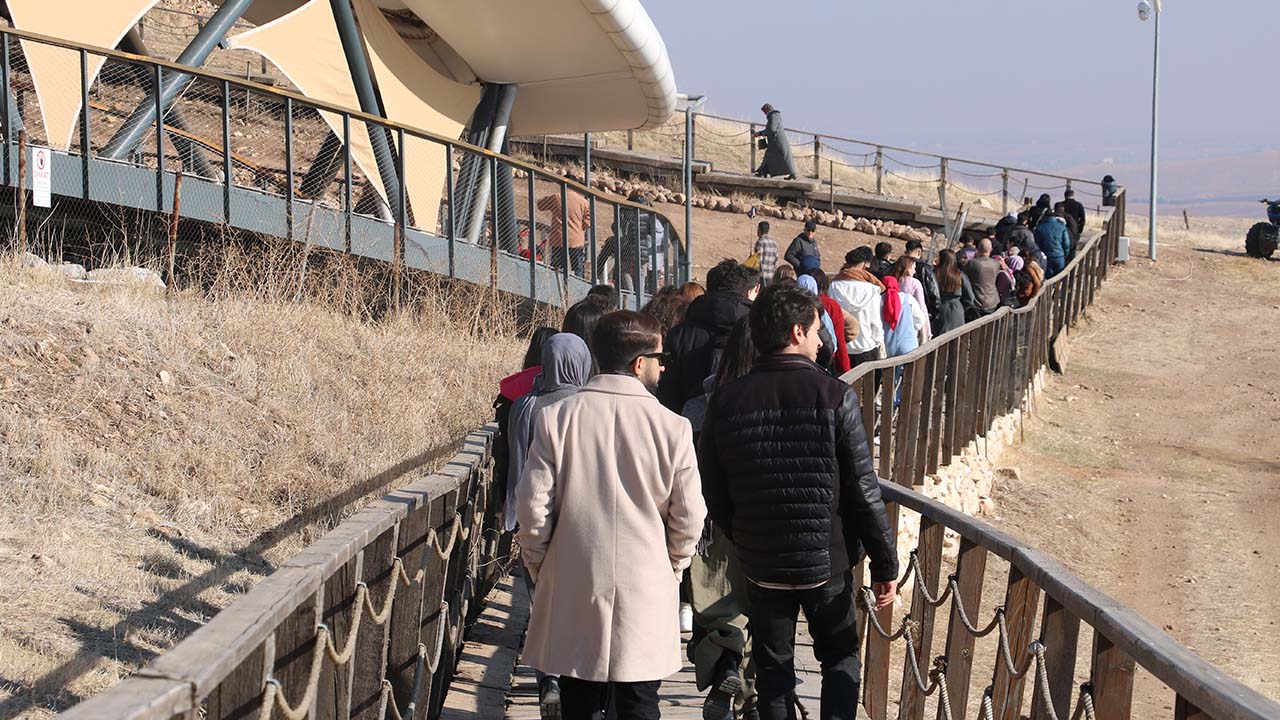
(414, 94)
(305, 46)
(55, 71)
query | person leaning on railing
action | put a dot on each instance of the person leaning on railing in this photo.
(577, 219)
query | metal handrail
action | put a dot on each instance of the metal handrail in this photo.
(920, 153)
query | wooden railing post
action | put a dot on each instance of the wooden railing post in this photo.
(929, 556)
(971, 569)
(908, 430)
(1020, 604)
(1112, 680)
(370, 661)
(1184, 710)
(1059, 631)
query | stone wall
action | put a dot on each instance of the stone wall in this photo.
(966, 482)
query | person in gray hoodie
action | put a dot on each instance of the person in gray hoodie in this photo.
(566, 367)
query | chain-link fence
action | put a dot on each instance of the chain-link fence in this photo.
(231, 156)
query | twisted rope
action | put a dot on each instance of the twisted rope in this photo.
(907, 164)
(928, 181)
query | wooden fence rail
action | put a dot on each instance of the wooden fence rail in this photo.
(373, 613)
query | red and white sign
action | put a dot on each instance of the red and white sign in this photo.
(41, 175)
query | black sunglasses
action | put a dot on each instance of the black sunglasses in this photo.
(663, 358)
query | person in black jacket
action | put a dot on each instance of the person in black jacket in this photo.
(787, 475)
(694, 344)
(1074, 208)
(924, 273)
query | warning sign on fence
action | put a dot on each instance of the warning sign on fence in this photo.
(41, 176)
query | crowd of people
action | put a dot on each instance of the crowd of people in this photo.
(703, 451)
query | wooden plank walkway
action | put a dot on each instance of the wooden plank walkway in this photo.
(491, 682)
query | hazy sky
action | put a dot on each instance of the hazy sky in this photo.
(1060, 84)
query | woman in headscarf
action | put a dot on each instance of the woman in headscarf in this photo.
(566, 366)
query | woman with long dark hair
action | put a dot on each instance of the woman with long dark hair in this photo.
(955, 294)
(719, 646)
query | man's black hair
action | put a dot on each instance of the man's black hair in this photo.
(763, 227)
(778, 309)
(914, 245)
(715, 276)
(606, 295)
(1069, 194)
(883, 249)
(732, 277)
(621, 337)
(860, 254)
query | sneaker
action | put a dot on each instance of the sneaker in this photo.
(750, 713)
(549, 697)
(724, 690)
(686, 618)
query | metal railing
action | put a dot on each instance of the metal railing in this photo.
(294, 168)
(860, 166)
(925, 407)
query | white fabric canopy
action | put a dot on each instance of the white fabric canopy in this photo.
(55, 71)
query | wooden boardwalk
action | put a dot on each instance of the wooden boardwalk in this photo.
(491, 682)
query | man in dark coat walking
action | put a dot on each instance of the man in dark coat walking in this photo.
(694, 344)
(777, 156)
(804, 245)
(789, 480)
(1074, 208)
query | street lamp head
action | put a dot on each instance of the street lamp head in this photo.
(1145, 9)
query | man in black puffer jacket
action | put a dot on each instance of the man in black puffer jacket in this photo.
(788, 478)
(695, 343)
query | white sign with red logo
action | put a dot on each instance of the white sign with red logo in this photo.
(41, 175)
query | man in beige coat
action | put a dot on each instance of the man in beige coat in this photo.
(610, 509)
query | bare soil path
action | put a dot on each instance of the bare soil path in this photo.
(1152, 466)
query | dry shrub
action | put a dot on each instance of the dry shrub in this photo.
(162, 454)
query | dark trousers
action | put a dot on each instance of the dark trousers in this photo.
(577, 259)
(856, 359)
(587, 700)
(833, 626)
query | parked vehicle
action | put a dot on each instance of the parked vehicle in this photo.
(1264, 237)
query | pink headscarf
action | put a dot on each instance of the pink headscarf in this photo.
(892, 306)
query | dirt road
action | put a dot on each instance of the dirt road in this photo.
(1152, 466)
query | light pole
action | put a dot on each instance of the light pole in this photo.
(692, 103)
(1147, 8)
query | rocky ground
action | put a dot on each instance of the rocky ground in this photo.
(1151, 468)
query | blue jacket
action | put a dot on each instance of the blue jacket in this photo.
(1053, 238)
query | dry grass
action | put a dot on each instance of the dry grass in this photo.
(162, 454)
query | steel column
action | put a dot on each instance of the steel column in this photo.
(192, 154)
(362, 79)
(131, 132)
(85, 149)
(506, 97)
